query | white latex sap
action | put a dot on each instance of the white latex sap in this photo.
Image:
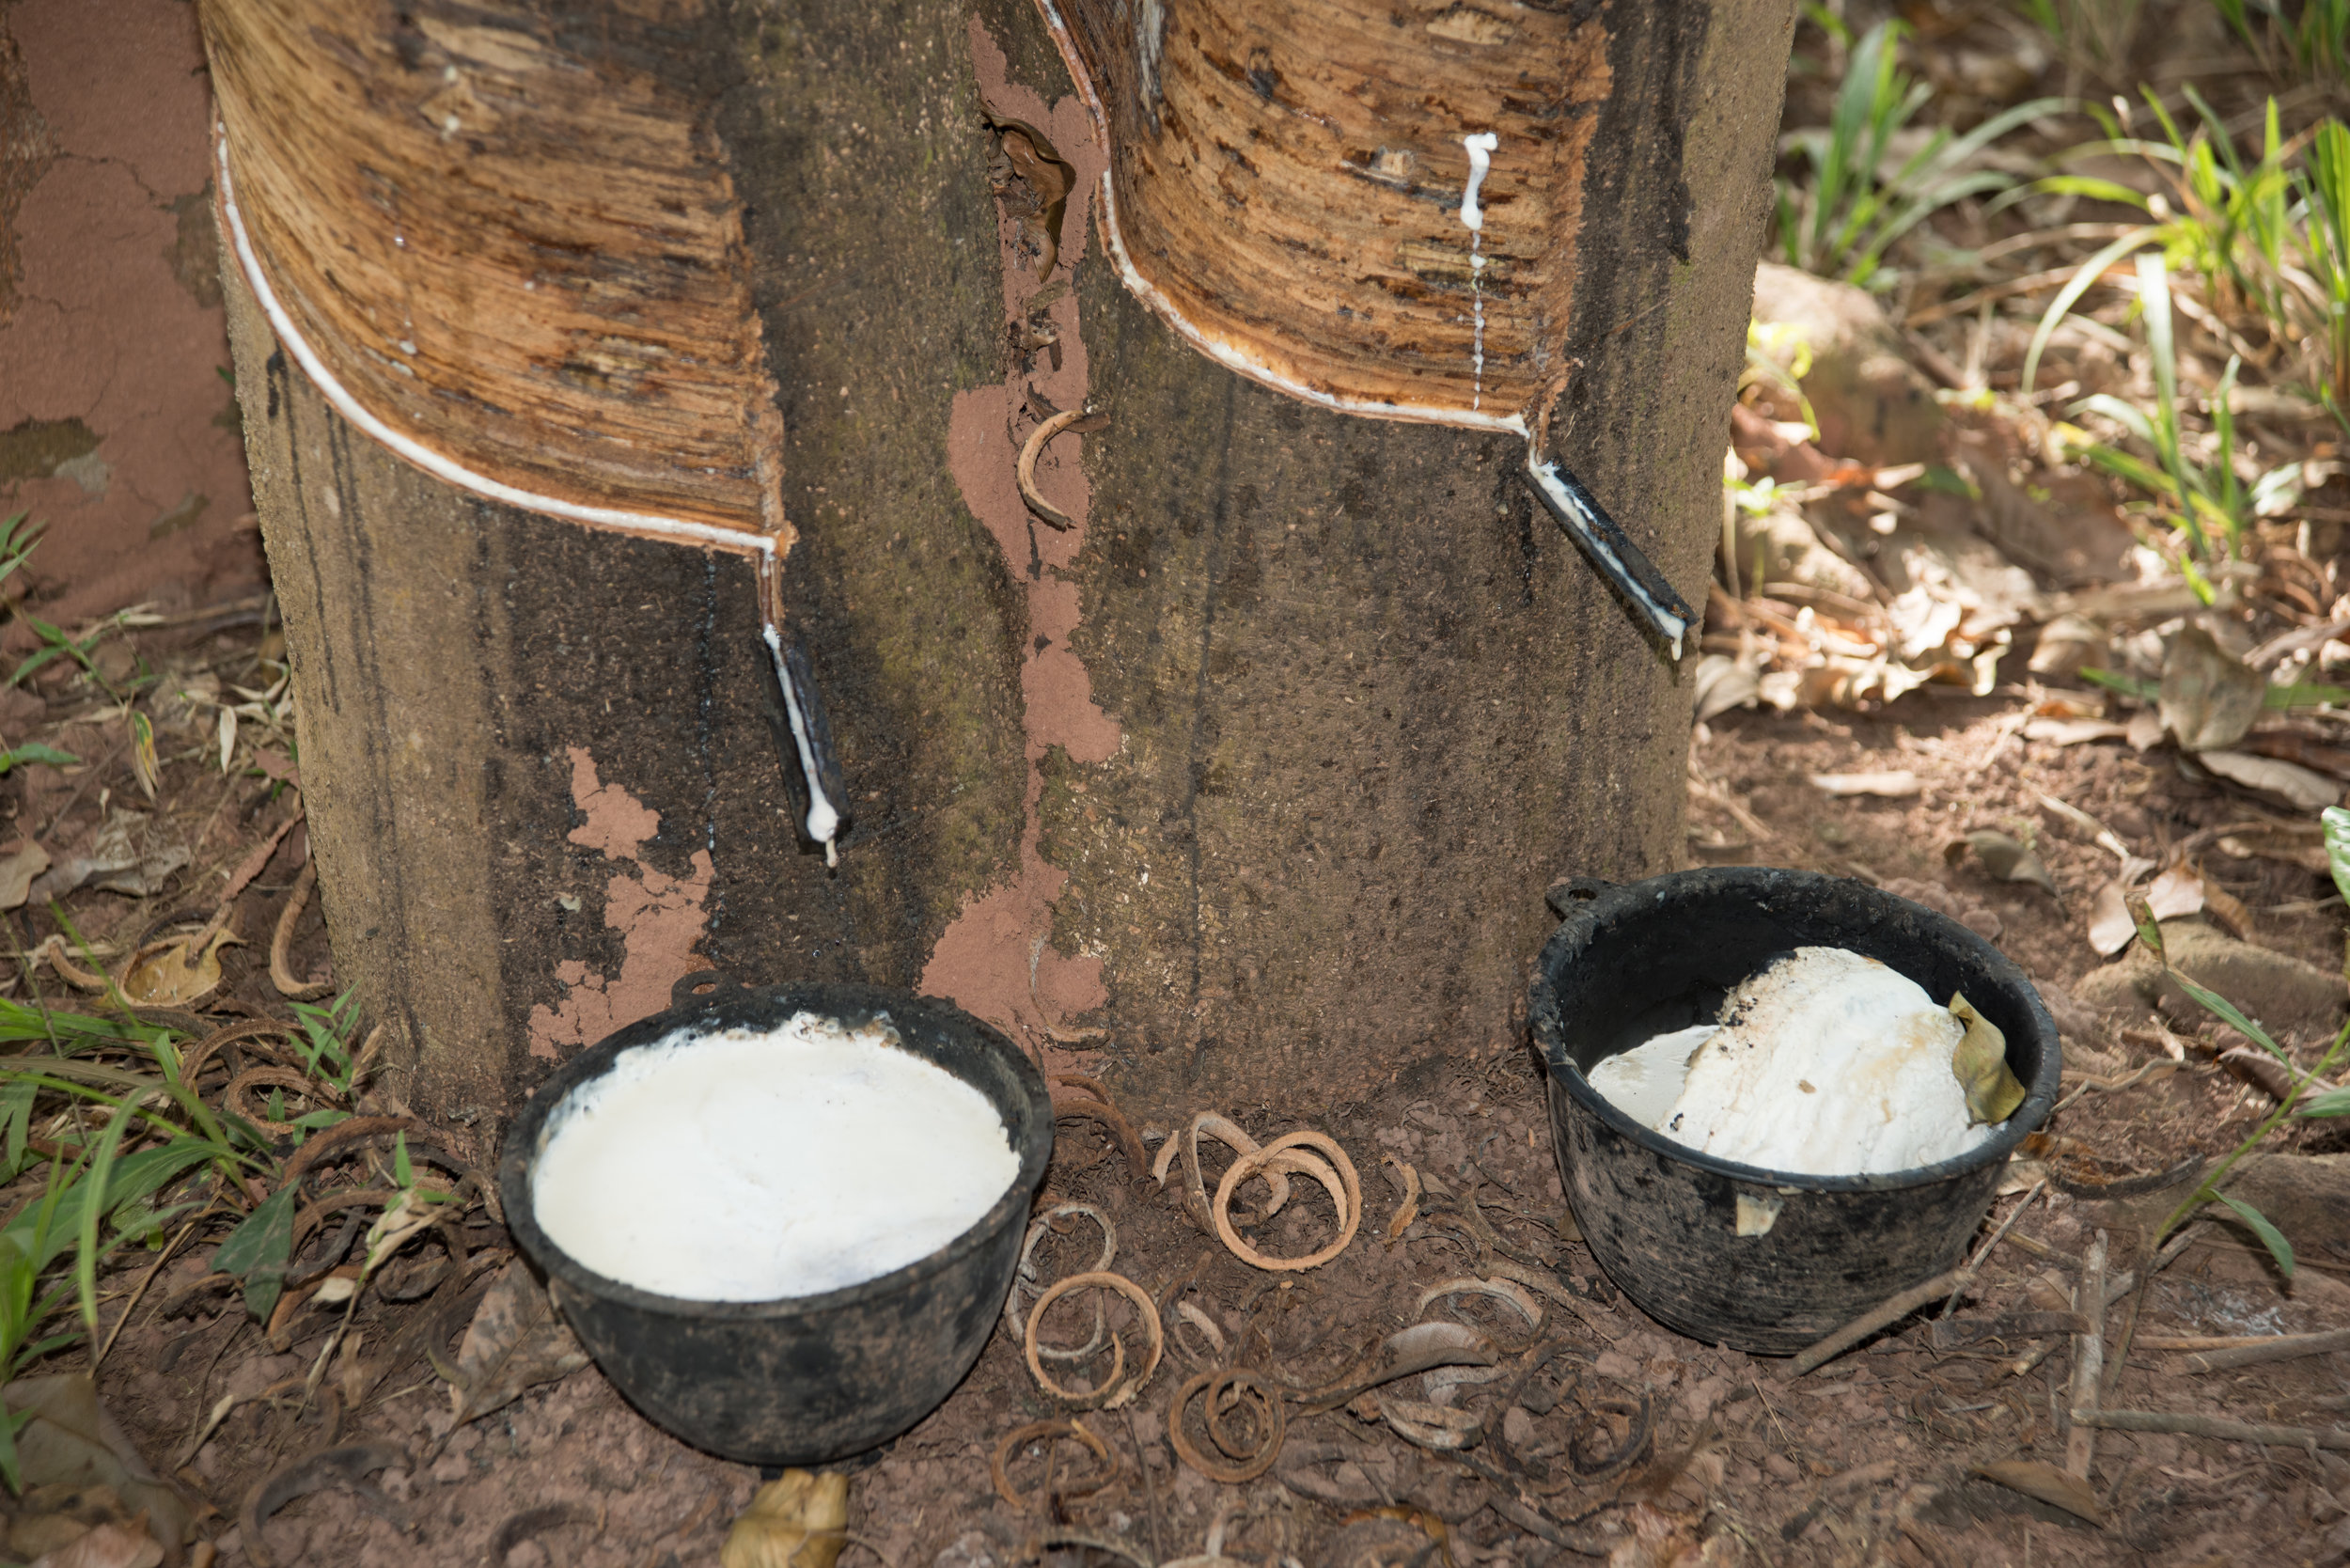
(1645, 1081)
(749, 1166)
(1826, 1063)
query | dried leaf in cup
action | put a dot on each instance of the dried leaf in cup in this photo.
(1993, 1091)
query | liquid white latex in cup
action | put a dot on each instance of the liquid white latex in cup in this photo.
(746, 1164)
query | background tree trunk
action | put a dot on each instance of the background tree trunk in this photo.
(1247, 785)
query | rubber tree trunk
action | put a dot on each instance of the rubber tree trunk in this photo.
(1246, 785)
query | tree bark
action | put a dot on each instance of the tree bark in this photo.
(1246, 785)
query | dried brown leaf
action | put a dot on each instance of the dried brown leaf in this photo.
(798, 1520)
(2307, 852)
(2259, 1069)
(2037, 1478)
(2178, 891)
(2004, 857)
(1721, 683)
(2072, 731)
(515, 1343)
(18, 868)
(72, 1439)
(1896, 785)
(2209, 696)
(108, 1546)
(2110, 928)
(2306, 788)
(177, 974)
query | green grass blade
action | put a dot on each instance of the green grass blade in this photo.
(2270, 1236)
(2234, 1017)
(2337, 821)
(258, 1250)
(2304, 694)
(2091, 272)
(93, 1208)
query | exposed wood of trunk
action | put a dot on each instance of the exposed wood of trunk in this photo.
(1291, 175)
(514, 245)
(1261, 770)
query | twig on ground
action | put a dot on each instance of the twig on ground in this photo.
(2282, 1347)
(133, 1305)
(2088, 1358)
(1889, 1313)
(2331, 1438)
(1983, 1252)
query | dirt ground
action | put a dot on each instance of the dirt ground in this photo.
(1872, 1459)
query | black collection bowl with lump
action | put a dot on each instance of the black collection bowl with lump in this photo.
(1634, 961)
(802, 1380)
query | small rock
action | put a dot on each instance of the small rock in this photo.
(1616, 1364)
(1517, 1427)
(1779, 1466)
(967, 1550)
(450, 1469)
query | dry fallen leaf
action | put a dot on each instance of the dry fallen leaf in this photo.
(2259, 1069)
(2110, 928)
(2072, 731)
(416, 1210)
(2209, 696)
(18, 868)
(2307, 851)
(2004, 857)
(171, 975)
(2306, 788)
(798, 1520)
(2178, 891)
(515, 1343)
(1993, 1091)
(1893, 786)
(1721, 683)
(2037, 1478)
(2227, 910)
(70, 1440)
(108, 1546)
(144, 764)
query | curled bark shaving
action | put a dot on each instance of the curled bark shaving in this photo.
(1286, 1153)
(1219, 1392)
(1099, 1480)
(1120, 1386)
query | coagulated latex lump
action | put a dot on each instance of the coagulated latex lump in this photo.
(1826, 1063)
